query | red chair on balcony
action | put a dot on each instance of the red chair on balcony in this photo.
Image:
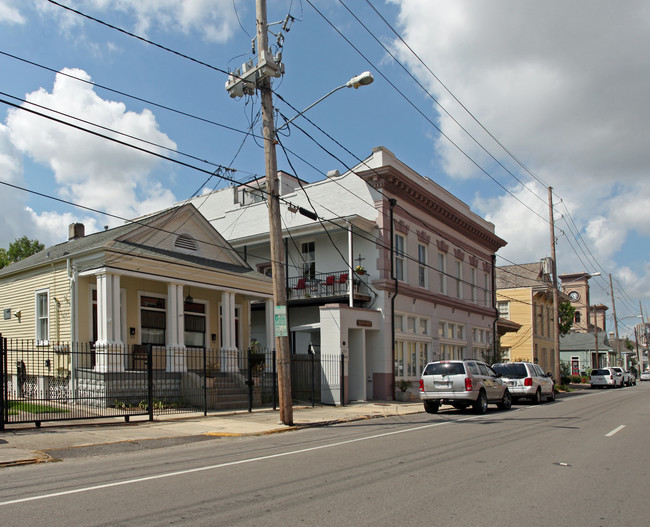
(301, 285)
(342, 282)
(329, 283)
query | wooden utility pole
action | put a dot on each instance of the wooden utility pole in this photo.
(618, 346)
(556, 299)
(275, 228)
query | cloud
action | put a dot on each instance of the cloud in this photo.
(564, 87)
(89, 170)
(10, 14)
(213, 20)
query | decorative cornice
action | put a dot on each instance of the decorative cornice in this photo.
(442, 246)
(473, 261)
(400, 226)
(392, 180)
(424, 237)
(459, 253)
(486, 267)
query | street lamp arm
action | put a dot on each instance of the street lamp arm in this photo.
(360, 80)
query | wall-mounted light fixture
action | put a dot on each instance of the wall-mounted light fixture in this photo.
(18, 314)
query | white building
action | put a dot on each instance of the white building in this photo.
(436, 302)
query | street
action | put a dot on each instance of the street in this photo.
(582, 460)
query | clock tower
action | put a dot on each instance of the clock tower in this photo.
(576, 285)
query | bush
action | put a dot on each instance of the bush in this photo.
(576, 379)
(565, 379)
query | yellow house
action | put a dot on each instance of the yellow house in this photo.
(525, 296)
(169, 280)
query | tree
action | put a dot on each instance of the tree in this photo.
(19, 249)
(567, 314)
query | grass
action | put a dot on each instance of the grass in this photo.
(22, 406)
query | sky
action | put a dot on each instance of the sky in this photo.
(495, 101)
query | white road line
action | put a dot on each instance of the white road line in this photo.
(229, 464)
(617, 429)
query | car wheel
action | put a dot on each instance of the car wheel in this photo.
(431, 407)
(551, 396)
(480, 405)
(538, 397)
(506, 402)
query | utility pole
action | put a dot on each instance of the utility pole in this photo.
(618, 344)
(275, 228)
(556, 299)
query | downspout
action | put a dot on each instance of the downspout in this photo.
(74, 323)
(494, 306)
(392, 203)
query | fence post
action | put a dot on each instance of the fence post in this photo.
(150, 380)
(275, 380)
(313, 379)
(249, 380)
(205, 383)
(342, 380)
(3, 359)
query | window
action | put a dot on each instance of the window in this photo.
(410, 324)
(486, 290)
(194, 324)
(577, 317)
(309, 260)
(399, 323)
(424, 326)
(442, 269)
(504, 309)
(473, 282)
(399, 257)
(422, 265)
(42, 316)
(153, 320)
(459, 279)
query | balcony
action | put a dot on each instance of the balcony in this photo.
(328, 287)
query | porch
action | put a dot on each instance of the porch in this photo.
(329, 286)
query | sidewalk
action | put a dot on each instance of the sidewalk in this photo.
(22, 444)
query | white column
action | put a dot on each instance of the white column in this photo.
(175, 329)
(228, 350)
(109, 347)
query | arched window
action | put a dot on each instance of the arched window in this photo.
(577, 317)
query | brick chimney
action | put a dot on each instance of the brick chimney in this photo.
(76, 230)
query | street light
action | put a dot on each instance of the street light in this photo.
(363, 79)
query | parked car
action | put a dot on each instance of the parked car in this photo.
(626, 376)
(462, 383)
(606, 378)
(645, 376)
(632, 377)
(525, 379)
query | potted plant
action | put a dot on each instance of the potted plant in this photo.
(360, 270)
(402, 395)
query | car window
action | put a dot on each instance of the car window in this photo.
(491, 372)
(483, 369)
(538, 371)
(511, 371)
(473, 368)
(444, 368)
(599, 372)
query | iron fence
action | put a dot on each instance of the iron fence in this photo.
(82, 381)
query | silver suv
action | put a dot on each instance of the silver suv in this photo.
(462, 383)
(525, 379)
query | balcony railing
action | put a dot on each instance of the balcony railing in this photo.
(327, 285)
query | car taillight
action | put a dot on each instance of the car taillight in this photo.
(611, 377)
(421, 385)
(528, 381)
(468, 384)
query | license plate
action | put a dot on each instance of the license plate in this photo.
(442, 384)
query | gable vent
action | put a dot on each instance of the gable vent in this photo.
(186, 243)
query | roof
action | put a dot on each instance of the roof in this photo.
(585, 342)
(522, 275)
(117, 240)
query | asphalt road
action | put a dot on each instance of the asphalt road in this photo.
(583, 460)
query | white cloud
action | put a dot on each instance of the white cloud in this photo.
(564, 86)
(9, 13)
(90, 170)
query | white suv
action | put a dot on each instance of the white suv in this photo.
(525, 379)
(462, 383)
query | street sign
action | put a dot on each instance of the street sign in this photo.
(281, 329)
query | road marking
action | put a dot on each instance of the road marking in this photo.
(228, 464)
(617, 429)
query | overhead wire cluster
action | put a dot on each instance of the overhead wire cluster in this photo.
(583, 253)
